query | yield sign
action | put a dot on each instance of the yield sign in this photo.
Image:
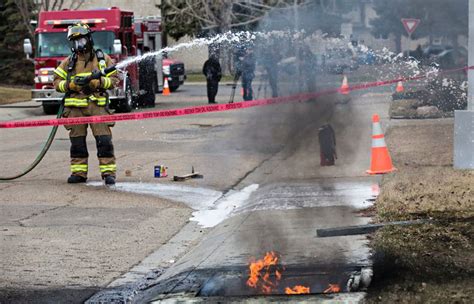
(410, 25)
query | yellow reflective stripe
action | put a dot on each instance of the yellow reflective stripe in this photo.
(114, 71)
(101, 101)
(77, 102)
(92, 97)
(61, 73)
(107, 82)
(62, 86)
(107, 168)
(83, 74)
(79, 168)
(76, 99)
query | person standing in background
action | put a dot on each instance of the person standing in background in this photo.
(212, 71)
(248, 73)
(270, 59)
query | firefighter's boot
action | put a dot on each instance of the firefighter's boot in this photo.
(109, 180)
(76, 179)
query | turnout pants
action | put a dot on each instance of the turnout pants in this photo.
(247, 86)
(212, 87)
(103, 138)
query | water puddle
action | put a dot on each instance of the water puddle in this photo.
(358, 195)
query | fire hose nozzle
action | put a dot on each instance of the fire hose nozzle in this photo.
(95, 75)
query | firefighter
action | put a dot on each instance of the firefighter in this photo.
(212, 71)
(270, 58)
(327, 145)
(85, 97)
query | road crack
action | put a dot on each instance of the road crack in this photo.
(21, 221)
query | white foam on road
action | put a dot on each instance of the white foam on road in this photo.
(224, 207)
(210, 205)
(195, 198)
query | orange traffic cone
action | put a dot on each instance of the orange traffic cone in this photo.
(345, 86)
(380, 160)
(400, 87)
(166, 88)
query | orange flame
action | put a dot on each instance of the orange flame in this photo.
(298, 289)
(333, 288)
(257, 279)
(265, 275)
(278, 275)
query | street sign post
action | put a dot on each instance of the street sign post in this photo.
(464, 120)
(410, 25)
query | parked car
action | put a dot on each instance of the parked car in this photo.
(446, 57)
(339, 60)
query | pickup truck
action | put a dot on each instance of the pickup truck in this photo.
(174, 70)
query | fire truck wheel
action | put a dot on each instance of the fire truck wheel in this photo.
(147, 100)
(50, 109)
(126, 104)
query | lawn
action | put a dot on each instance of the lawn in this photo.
(12, 95)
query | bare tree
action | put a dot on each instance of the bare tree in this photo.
(55, 5)
(220, 15)
(194, 17)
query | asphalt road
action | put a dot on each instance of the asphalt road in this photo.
(63, 243)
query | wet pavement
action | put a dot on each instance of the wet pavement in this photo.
(283, 218)
(275, 207)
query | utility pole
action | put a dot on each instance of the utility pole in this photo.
(464, 120)
(470, 101)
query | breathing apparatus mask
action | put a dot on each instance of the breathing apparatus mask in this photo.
(80, 37)
(80, 45)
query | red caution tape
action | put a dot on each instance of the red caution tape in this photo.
(202, 109)
(158, 114)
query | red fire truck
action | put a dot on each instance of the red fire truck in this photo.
(115, 34)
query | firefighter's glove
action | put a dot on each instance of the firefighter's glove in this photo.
(81, 80)
(72, 86)
(94, 84)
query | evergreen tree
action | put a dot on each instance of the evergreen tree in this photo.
(14, 68)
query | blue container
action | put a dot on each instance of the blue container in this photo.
(160, 171)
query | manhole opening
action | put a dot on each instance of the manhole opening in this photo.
(289, 280)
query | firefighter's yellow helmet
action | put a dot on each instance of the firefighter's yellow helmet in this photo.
(78, 30)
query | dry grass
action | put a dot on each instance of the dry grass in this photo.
(437, 192)
(438, 256)
(12, 95)
(416, 291)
